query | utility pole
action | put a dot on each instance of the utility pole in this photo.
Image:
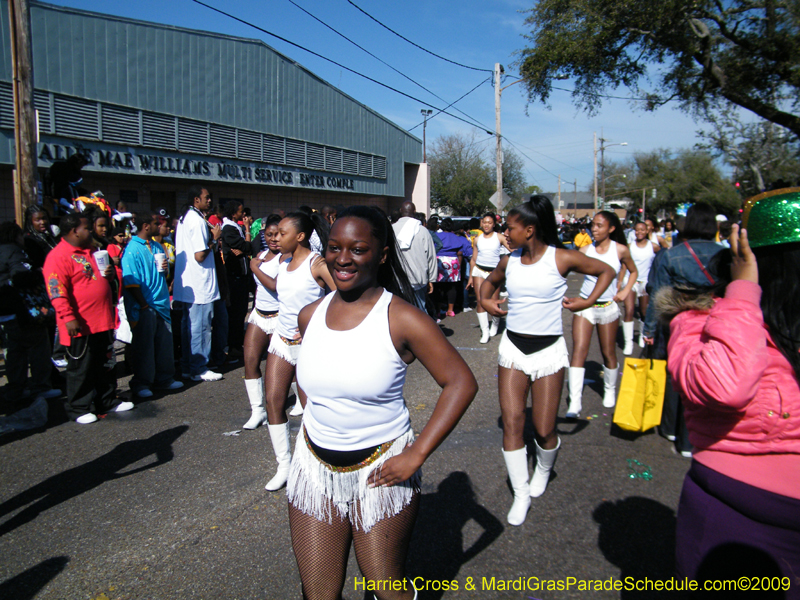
(559, 191)
(25, 187)
(498, 71)
(595, 172)
(602, 166)
(426, 112)
(576, 198)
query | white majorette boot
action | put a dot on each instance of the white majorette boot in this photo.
(279, 434)
(545, 459)
(610, 386)
(641, 334)
(255, 392)
(575, 392)
(495, 325)
(483, 321)
(297, 409)
(517, 466)
(627, 334)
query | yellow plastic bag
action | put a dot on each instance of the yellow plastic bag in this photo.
(641, 394)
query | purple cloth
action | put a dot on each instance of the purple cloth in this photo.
(452, 243)
(728, 529)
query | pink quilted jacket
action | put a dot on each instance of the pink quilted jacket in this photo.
(740, 393)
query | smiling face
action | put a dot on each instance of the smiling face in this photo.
(641, 232)
(517, 233)
(601, 228)
(354, 254)
(271, 235)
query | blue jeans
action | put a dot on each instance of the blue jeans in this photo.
(196, 337)
(151, 351)
(419, 298)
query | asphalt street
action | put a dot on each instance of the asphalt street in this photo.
(167, 502)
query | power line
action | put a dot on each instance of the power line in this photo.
(551, 158)
(529, 158)
(391, 67)
(451, 104)
(602, 95)
(415, 44)
(367, 77)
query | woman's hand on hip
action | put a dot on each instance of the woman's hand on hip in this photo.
(397, 469)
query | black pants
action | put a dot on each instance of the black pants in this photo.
(237, 311)
(90, 374)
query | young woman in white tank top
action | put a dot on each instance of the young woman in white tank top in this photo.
(643, 252)
(609, 247)
(485, 256)
(355, 473)
(533, 352)
(300, 281)
(261, 322)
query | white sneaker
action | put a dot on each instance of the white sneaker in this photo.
(124, 406)
(61, 363)
(86, 419)
(207, 376)
(173, 385)
(144, 393)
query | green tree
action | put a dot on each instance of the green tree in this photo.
(514, 183)
(679, 177)
(703, 53)
(760, 153)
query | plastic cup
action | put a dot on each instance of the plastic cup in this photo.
(102, 260)
(160, 257)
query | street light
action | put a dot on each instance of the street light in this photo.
(426, 112)
(603, 146)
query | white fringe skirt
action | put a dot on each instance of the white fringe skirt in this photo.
(600, 315)
(314, 487)
(265, 324)
(545, 362)
(288, 350)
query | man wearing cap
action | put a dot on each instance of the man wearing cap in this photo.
(144, 270)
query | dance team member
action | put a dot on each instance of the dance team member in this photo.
(533, 353)
(610, 247)
(485, 256)
(262, 321)
(643, 252)
(356, 469)
(300, 281)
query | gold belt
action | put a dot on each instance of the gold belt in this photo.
(289, 342)
(379, 451)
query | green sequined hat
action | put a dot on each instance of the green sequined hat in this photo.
(773, 218)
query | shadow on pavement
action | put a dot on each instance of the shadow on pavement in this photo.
(638, 535)
(74, 482)
(29, 583)
(436, 552)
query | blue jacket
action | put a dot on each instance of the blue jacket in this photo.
(676, 267)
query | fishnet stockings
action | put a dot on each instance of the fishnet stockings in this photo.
(321, 550)
(545, 397)
(255, 342)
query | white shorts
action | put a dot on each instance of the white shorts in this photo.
(478, 272)
(314, 487)
(640, 287)
(288, 350)
(600, 315)
(265, 324)
(539, 364)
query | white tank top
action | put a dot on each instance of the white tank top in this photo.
(611, 258)
(642, 258)
(354, 381)
(534, 294)
(296, 290)
(488, 250)
(267, 300)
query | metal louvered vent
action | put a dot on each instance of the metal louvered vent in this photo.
(249, 145)
(295, 153)
(365, 165)
(274, 150)
(158, 131)
(315, 157)
(350, 159)
(192, 136)
(41, 101)
(333, 159)
(379, 167)
(77, 118)
(223, 141)
(6, 106)
(120, 125)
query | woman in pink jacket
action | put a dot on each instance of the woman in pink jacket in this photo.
(736, 363)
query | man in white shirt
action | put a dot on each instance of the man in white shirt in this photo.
(195, 284)
(419, 252)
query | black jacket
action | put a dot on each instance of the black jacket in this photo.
(235, 266)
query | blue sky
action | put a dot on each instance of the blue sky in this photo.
(472, 32)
